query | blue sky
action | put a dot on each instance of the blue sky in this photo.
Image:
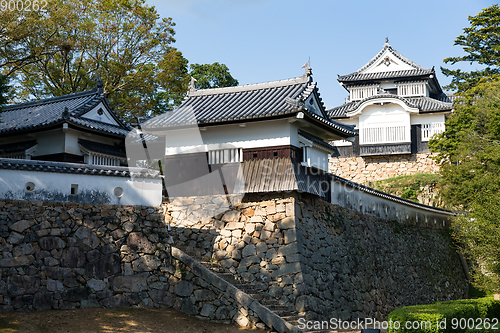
(268, 40)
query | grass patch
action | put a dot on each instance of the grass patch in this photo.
(465, 315)
(407, 187)
(8, 324)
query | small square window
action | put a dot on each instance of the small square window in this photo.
(74, 189)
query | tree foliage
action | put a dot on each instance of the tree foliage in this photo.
(478, 233)
(4, 88)
(481, 43)
(212, 76)
(123, 41)
(469, 151)
(469, 148)
(26, 36)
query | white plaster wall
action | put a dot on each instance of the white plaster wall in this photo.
(49, 142)
(416, 119)
(318, 158)
(140, 191)
(388, 85)
(379, 116)
(71, 141)
(366, 203)
(253, 135)
(396, 65)
(105, 117)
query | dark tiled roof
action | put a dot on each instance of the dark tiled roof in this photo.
(16, 147)
(341, 111)
(100, 126)
(424, 104)
(102, 148)
(355, 77)
(248, 102)
(316, 140)
(358, 76)
(74, 168)
(447, 97)
(48, 112)
(427, 104)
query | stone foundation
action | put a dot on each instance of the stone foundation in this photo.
(358, 266)
(254, 240)
(365, 169)
(69, 255)
(325, 260)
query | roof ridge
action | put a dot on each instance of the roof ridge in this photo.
(52, 99)
(430, 98)
(101, 122)
(386, 47)
(409, 72)
(249, 87)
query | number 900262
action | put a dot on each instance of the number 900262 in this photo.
(23, 5)
(475, 323)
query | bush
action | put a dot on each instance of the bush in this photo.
(450, 316)
(408, 187)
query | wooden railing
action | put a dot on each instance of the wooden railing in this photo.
(428, 130)
(223, 156)
(383, 134)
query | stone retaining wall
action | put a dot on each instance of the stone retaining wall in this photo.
(359, 266)
(323, 259)
(372, 168)
(68, 255)
(255, 240)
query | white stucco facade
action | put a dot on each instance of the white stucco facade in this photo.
(74, 187)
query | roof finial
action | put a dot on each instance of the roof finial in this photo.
(99, 85)
(65, 113)
(387, 40)
(308, 71)
(192, 84)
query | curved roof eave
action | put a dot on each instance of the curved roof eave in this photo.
(404, 103)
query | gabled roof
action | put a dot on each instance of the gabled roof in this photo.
(249, 102)
(423, 104)
(58, 110)
(363, 74)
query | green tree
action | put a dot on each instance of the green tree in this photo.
(26, 36)
(478, 233)
(481, 44)
(123, 41)
(4, 88)
(212, 76)
(469, 149)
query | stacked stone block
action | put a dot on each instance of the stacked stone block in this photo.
(325, 261)
(372, 168)
(69, 255)
(255, 239)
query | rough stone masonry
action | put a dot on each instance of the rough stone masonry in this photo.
(69, 255)
(324, 260)
(320, 258)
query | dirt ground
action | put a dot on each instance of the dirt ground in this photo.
(111, 321)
